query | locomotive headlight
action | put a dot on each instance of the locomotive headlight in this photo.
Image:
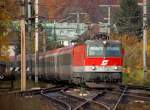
(115, 67)
(93, 68)
(104, 42)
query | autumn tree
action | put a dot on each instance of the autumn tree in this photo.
(8, 13)
(148, 48)
(54, 7)
(4, 30)
(129, 18)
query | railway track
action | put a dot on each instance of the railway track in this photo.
(132, 101)
(72, 102)
(34, 92)
(125, 99)
(109, 99)
(69, 101)
(58, 103)
(94, 100)
(92, 105)
(106, 100)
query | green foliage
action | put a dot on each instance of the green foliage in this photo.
(4, 22)
(9, 11)
(4, 31)
(128, 19)
(133, 59)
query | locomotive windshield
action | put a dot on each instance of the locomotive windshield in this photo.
(110, 49)
(113, 50)
(95, 50)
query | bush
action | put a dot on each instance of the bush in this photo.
(133, 59)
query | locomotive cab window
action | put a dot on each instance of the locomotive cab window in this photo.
(95, 50)
(113, 50)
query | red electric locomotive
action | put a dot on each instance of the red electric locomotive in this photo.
(93, 61)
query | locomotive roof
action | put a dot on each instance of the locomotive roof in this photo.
(100, 41)
(59, 49)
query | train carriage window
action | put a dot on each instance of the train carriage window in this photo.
(64, 59)
(95, 50)
(67, 59)
(51, 61)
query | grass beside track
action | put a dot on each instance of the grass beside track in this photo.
(136, 78)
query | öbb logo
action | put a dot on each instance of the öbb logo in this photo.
(104, 62)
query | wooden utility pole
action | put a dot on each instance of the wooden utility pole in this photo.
(29, 38)
(145, 39)
(36, 41)
(23, 47)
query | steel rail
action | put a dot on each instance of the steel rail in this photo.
(91, 100)
(66, 105)
(102, 102)
(136, 96)
(87, 100)
(72, 96)
(35, 92)
(108, 108)
(115, 107)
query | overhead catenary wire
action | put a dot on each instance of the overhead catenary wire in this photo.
(18, 17)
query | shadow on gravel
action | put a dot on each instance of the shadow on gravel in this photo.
(16, 102)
